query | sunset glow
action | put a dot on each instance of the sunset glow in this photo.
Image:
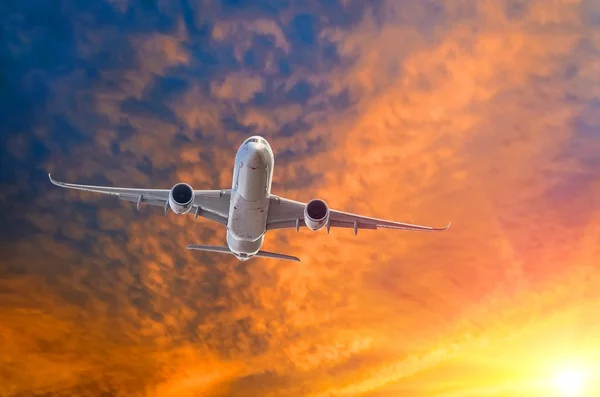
(570, 382)
(480, 113)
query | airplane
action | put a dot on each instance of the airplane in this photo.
(248, 210)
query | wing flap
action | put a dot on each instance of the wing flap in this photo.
(145, 200)
(286, 224)
(350, 225)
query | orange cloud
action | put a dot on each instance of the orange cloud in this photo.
(238, 87)
(465, 112)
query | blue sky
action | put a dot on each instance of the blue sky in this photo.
(480, 113)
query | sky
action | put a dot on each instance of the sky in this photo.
(482, 113)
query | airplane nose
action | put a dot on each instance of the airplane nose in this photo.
(256, 155)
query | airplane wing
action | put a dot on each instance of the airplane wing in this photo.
(209, 204)
(285, 213)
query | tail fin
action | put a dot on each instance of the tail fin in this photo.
(226, 250)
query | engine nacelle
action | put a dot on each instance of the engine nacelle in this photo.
(181, 198)
(316, 214)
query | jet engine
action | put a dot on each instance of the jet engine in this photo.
(181, 198)
(316, 214)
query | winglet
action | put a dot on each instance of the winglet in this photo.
(53, 181)
(443, 228)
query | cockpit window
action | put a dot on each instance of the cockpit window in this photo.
(257, 140)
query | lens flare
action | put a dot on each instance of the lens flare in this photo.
(570, 382)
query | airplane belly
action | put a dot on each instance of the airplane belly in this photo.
(252, 182)
(247, 220)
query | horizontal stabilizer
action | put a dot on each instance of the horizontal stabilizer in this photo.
(273, 255)
(226, 250)
(211, 248)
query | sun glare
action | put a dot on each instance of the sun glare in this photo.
(570, 382)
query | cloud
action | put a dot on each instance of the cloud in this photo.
(237, 87)
(482, 114)
(240, 29)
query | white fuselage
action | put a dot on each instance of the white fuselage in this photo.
(250, 192)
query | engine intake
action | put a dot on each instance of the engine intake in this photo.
(181, 198)
(316, 214)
